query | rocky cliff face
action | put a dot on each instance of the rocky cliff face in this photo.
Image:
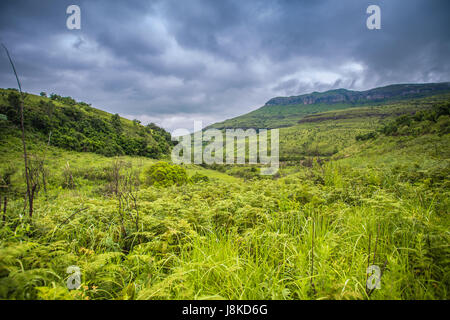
(399, 91)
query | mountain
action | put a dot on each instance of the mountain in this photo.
(287, 111)
(396, 91)
(66, 123)
(354, 179)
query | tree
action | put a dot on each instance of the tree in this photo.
(13, 112)
(116, 123)
(43, 94)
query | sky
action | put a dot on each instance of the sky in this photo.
(173, 62)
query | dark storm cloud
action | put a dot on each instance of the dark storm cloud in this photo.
(175, 61)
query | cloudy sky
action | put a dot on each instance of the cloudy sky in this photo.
(172, 62)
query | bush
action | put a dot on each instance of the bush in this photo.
(197, 177)
(164, 175)
(434, 120)
(364, 137)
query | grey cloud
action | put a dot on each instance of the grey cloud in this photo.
(171, 60)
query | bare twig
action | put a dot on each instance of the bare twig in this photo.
(312, 256)
(30, 198)
(368, 259)
(68, 218)
(376, 242)
(5, 203)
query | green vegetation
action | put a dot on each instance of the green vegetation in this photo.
(324, 135)
(287, 111)
(352, 191)
(165, 174)
(436, 120)
(275, 116)
(72, 125)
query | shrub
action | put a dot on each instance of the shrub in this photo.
(367, 136)
(164, 174)
(197, 177)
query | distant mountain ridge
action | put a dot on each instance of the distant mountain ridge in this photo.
(287, 111)
(396, 91)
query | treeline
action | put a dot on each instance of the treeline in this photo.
(434, 120)
(77, 126)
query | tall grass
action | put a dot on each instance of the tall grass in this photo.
(308, 235)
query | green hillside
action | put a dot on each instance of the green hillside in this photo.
(66, 123)
(324, 134)
(357, 187)
(287, 111)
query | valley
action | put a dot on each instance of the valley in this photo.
(359, 185)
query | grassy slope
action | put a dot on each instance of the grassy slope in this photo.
(32, 101)
(57, 158)
(80, 127)
(275, 116)
(326, 133)
(245, 240)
